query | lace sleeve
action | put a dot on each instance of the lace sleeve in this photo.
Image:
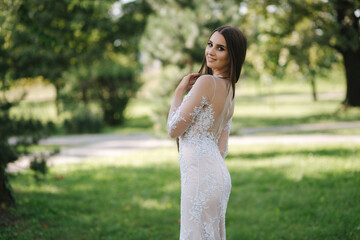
(182, 112)
(223, 140)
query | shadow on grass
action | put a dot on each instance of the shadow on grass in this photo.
(143, 122)
(258, 121)
(132, 125)
(264, 204)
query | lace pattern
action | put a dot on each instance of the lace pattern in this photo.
(205, 180)
(227, 129)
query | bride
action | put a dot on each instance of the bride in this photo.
(201, 120)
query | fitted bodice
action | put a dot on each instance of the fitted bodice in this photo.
(207, 123)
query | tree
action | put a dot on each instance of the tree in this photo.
(333, 24)
(348, 44)
(47, 38)
(7, 155)
(107, 83)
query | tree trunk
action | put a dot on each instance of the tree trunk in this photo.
(313, 87)
(57, 100)
(6, 197)
(7, 155)
(352, 71)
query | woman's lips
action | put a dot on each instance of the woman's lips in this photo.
(211, 59)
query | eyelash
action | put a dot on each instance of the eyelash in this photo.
(211, 45)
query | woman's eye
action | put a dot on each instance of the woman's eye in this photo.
(210, 44)
(221, 49)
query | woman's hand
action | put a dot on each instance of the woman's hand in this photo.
(187, 82)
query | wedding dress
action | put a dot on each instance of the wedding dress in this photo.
(202, 121)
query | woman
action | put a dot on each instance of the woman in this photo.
(202, 122)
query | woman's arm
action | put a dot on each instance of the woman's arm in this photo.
(182, 112)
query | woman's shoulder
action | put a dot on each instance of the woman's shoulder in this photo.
(205, 82)
(205, 79)
(205, 86)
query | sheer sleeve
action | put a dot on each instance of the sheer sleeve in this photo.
(182, 112)
(224, 138)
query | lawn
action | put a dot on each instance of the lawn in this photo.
(304, 192)
(290, 192)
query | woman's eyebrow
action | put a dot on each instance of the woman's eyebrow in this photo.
(219, 45)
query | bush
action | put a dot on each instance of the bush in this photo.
(22, 133)
(83, 122)
(107, 83)
(38, 164)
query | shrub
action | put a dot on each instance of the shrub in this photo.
(83, 122)
(38, 163)
(107, 83)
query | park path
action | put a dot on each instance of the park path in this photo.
(76, 148)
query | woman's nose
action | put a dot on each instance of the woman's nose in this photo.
(211, 51)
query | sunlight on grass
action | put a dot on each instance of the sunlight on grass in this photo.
(298, 191)
(298, 161)
(35, 188)
(138, 108)
(152, 203)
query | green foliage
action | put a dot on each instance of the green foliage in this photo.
(39, 167)
(30, 131)
(22, 133)
(115, 86)
(178, 31)
(51, 36)
(161, 96)
(107, 83)
(38, 163)
(83, 121)
(304, 38)
(7, 155)
(7, 152)
(176, 34)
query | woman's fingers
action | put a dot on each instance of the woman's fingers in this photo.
(189, 80)
(194, 75)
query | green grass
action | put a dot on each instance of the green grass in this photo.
(304, 192)
(138, 118)
(258, 112)
(348, 132)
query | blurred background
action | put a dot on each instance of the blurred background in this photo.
(70, 67)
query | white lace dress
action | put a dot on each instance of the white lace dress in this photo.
(202, 121)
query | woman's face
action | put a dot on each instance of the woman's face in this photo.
(216, 53)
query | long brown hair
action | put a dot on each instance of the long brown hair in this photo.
(236, 45)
